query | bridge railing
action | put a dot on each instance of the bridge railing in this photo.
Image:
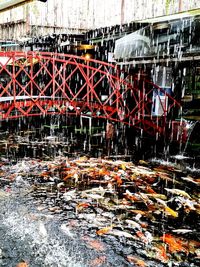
(42, 83)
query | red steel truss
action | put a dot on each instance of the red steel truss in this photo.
(41, 83)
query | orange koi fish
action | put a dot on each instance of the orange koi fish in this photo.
(174, 244)
(136, 261)
(104, 230)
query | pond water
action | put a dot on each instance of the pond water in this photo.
(67, 210)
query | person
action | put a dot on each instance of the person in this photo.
(110, 130)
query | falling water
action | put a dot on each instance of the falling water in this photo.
(43, 239)
(191, 128)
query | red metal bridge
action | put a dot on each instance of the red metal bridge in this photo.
(42, 83)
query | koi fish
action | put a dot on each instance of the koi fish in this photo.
(164, 176)
(81, 206)
(187, 203)
(142, 237)
(92, 196)
(118, 180)
(95, 244)
(42, 230)
(93, 190)
(149, 190)
(182, 231)
(121, 233)
(136, 261)
(45, 174)
(161, 253)
(69, 195)
(123, 166)
(104, 231)
(174, 244)
(190, 179)
(104, 172)
(22, 264)
(143, 162)
(168, 209)
(133, 224)
(155, 195)
(178, 192)
(97, 261)
(140, 212)
(66, 230)
(171, 212)
(131, 196)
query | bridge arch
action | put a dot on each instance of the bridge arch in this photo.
(42, 83)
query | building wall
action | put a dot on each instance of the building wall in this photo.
(123, 11)
(37, 18)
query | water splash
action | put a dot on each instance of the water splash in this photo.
(33, 239)
(191, 126)
(163, 162)
(193, 169)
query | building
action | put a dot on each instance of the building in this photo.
(35, 18)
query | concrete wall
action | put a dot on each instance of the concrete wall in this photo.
(76, 15)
